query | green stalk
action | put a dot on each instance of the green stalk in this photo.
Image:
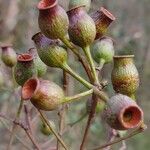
(101, 64)
(76, 76)
(77, 96)
(71, 46)
(99, 93)
(53, 131)
(91, 62)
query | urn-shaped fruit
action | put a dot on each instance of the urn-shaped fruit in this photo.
(103, 50)
(9, 56)
(125, 77)
(39, 65)
(53, 20)
(50, 51)
(102, 18)
(82, 28)
(24, 68)
(122, 113)
(43, 94)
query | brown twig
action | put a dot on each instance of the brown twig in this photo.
(26, 129)
(14, 125)
(142, 128)
(81, 58)
(62, 111)
(111, 136)
(28, 119)
(18, 138)
(90, 118)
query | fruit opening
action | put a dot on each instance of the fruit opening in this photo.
(107, 13)
(45, 4)
(131, 117)
(5, 47)
(29, 88)
(24, 57)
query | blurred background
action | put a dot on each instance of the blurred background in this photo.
(131, 33)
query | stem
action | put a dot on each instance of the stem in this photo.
(76, 76)
(91, 62)
(132, 96)
(14, 125)
(32, 139)
(18, 138)
(28, 119)
(53, 131)
(62, 111)
(71, 46)
(90, 118)
(133, 133)
(77, 96)
(100, 66)
(77, 121)
(96, 91)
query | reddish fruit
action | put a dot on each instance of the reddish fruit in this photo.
(122, 113)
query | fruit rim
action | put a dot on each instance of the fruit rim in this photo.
(24, 57)
(46, 7)
(121, 116)
(124, 56)
(108, 13)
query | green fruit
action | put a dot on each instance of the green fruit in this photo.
(44, 94)
(103, 50)
(53, 20)
(9, 56)
(50, 51)
(53, 56)
(125, 77)
(40, 66)
(76, 3)
(44, 128)
(24, 68)
(1, 79)
(82, 28)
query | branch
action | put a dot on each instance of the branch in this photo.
(142, 128)
(14, 125)
(62, 111)
(18, 138)
(90, 118)
(26, 129)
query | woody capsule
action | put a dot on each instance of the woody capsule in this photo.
(50, 51)
(122, 113)
(82, 28)
(102, 18)
(53, 20)
(25, 68)
(125, 77)
(46, 95)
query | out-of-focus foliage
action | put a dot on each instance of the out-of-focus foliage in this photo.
(131, 33)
